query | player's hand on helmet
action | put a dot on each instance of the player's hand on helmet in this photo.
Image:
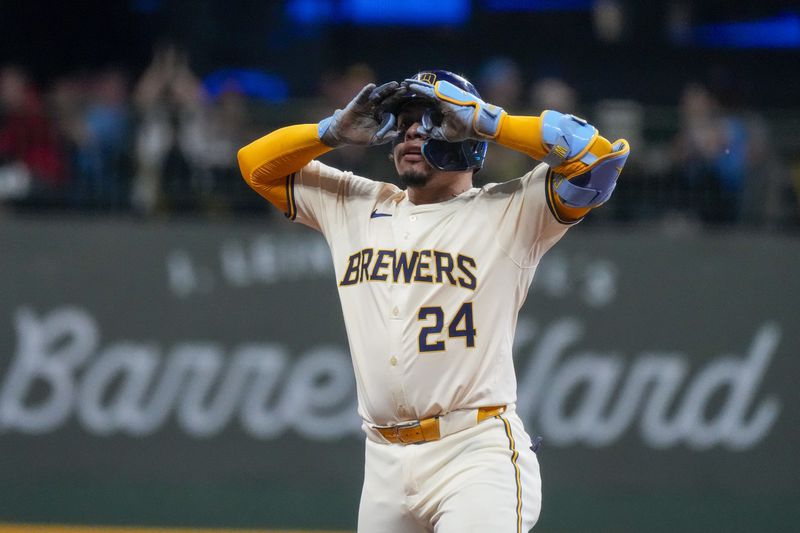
(458, 115)
(365, 121)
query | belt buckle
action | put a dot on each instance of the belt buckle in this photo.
(394, 430)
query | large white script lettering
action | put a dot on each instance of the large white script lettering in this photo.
(650, 392)
(60, 373)
(133, 387)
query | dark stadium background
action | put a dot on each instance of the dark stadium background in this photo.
(128, 239)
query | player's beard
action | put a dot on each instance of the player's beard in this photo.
(414, 178)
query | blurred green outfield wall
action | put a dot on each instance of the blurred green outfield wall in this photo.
(197, 374)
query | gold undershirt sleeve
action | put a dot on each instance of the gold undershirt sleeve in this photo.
(266, 162)
(523, 134)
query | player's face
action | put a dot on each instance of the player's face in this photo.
(407, 151)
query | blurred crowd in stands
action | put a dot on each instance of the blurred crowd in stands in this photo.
(161, 144)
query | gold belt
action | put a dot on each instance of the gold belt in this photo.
(428, 429)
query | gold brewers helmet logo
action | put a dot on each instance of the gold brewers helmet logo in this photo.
(428, 77)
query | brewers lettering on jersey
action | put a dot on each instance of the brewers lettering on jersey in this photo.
(431, 277)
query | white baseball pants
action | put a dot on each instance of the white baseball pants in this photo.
(481, 480)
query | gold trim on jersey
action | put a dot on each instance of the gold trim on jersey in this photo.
(291, 212)
(517, 474)
(549, 188)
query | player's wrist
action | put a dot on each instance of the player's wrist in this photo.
(487, 120)
(326, 131)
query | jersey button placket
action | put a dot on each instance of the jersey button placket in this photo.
(411, 225)
(401, 226)
(395, 368)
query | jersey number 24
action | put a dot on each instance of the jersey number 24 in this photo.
(460, 326)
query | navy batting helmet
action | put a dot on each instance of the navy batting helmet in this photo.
(463, 155)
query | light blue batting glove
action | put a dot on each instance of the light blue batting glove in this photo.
(463, 115)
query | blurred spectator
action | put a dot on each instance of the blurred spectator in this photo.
(32, 166)
(500, 82)
(553, 93)
(67, 102)
(713, 153)
(767, 195)
(338, 88)
(169, 104)
(102, 144)
(608, 17)
(221, 131)
(158, 97)
(186, 143)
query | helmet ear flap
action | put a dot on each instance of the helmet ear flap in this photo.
(477, 153)
(440, 155)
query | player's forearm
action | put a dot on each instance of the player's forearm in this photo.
(266, 161)
(525, 134)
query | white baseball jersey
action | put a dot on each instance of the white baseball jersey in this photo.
(430, 293)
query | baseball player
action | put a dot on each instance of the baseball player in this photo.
(431, 278)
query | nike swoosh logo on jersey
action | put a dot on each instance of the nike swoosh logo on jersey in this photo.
(375, 214)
